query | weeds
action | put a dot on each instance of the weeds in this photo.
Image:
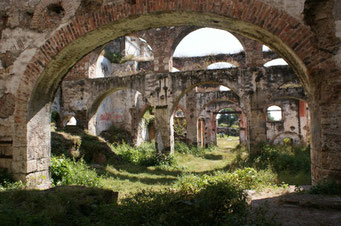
(144, 155)
(184, 148)
(290, 163)
(69, 172)
(247, 178)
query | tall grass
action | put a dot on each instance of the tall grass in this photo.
(144, 155)
(290, 163)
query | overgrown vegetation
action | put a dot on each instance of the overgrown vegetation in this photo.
(183, 148)
(65, 171)
(8, 183)
(247, 178)
(196, 186)
(291, 163)
(143, 155)
(180, 126)
(75, 143)
(149, 117)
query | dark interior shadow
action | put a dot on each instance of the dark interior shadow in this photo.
(213, 157)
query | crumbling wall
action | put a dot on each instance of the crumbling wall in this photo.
(117, 110)
(290, 125)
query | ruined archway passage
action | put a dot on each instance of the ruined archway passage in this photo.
(284, 34)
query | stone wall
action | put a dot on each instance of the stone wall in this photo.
(292, 125)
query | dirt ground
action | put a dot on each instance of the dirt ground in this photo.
(298, 208)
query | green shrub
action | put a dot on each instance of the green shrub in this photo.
(278, 158)
(184, 148)
(290, 163)
(65, 171)
(247, 178)
(148, 117)
(215, 204)
(326, 188)
(144, 155)
(8, 183)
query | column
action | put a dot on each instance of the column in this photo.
(164, 139)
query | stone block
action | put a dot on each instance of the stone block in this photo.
(31, 166)
(5, 163)
(19, 167)
(39, 180)
(43, 164)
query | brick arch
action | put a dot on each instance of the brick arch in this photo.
(97, 100)
(70, 43)
(237, 107)
(234, 86)
(229, 102)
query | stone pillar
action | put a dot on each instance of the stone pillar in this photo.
(82, 119)
(257, 127)
(326, 141)
(192, 119)
(192, 131)
(201, 132)
(31, 153)
(164, 139)
(210, 128)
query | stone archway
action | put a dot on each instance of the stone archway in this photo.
(254, 19)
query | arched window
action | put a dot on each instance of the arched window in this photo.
(72, 122)
(274, 113)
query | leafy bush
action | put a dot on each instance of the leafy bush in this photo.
(180, 125)
(144, 155)
(148, 117)
(65, 171)
(326, 188)
(214, 204)
(7, 182)
(247, 178)
(183, 148)
(277, 157)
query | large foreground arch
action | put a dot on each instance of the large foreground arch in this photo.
(252, 18)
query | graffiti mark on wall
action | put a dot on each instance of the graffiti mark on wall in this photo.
(105, 116)
(116, 117)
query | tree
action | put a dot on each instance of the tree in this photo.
(228, 119)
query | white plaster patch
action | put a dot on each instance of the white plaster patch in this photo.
(20, 39)
(19, 68)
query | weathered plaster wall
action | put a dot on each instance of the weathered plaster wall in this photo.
(289, 124)
(117, 110)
